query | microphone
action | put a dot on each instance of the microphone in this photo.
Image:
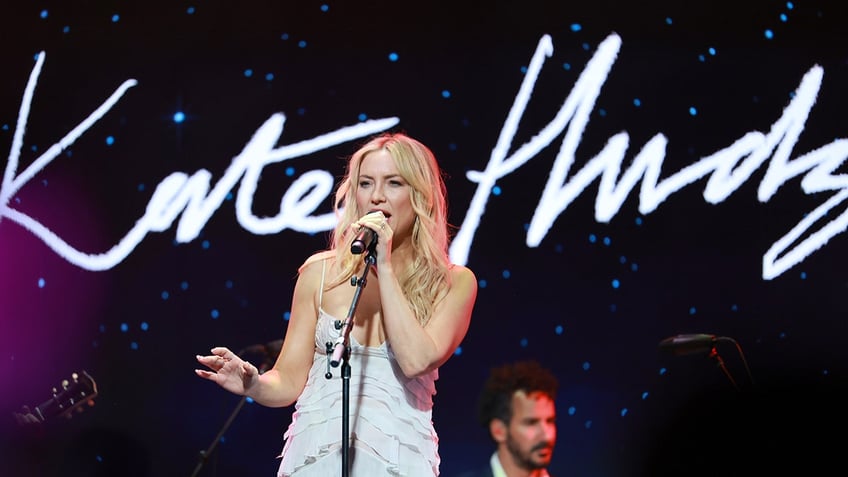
(688, 344)
(260, 349)
(364, 240)
(267, 351)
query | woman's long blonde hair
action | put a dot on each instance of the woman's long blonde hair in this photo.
(425, 281)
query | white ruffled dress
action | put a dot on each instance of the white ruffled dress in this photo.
(391, 427)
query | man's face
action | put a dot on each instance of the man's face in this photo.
(531, 434)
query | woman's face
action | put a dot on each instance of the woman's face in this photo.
(382, 188)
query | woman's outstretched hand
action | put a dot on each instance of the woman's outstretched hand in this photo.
(228, 370)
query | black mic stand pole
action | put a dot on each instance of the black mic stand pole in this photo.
(204, 454)
(341, 353)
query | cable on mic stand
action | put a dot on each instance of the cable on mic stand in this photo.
(713, 354)
(717, 357)
(698, 343)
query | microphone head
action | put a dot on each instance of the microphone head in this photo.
(363, 240)
(688, 344)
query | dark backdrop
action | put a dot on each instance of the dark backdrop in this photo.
(591, 296)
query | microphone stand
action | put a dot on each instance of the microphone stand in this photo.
(204, 454)
(341, 353)
(203, 457)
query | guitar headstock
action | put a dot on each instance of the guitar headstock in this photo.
(71, 395)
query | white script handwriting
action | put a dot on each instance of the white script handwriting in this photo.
(727, 173)
(190, 195)
(729, 168)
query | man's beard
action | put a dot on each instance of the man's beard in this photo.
(525, 459)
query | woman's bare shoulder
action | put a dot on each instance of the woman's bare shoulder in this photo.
(315, 260)
(461, 272)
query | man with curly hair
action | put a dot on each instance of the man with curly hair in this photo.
(517, 405)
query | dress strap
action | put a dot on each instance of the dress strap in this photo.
(321, 288)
